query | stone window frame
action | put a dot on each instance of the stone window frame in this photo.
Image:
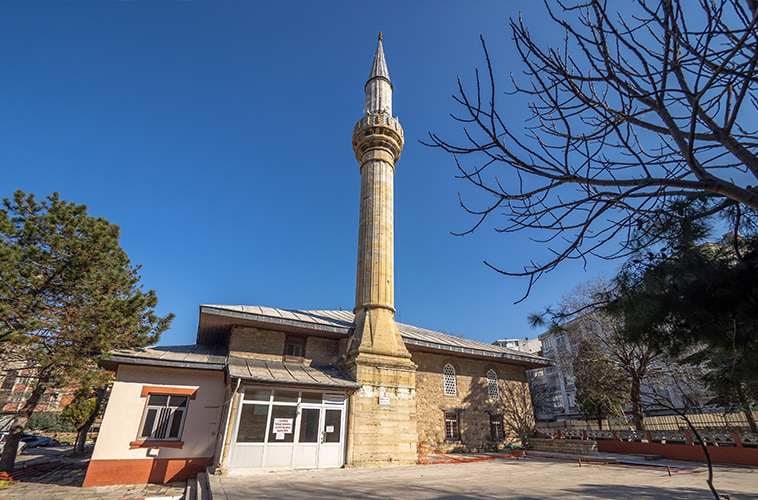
(298, 341)
(452, 425)
(449, 381)
(493, 387)
(497, 422)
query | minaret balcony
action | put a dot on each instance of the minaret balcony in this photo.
(377, 131)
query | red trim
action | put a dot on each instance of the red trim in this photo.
(155, 443)
(144, 470)
(179, 391)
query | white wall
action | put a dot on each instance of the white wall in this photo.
(125, 407)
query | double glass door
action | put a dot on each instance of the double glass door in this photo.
(320, 438)
(288, 429)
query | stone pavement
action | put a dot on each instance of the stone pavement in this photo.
(52, 474)
(503, 478)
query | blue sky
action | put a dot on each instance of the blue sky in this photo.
(217, 136)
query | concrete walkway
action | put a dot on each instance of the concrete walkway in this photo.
(502, 478)
(53, 474)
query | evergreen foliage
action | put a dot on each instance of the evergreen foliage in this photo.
(48, 422)
(697, 301)
(601, 387)
(68, 295)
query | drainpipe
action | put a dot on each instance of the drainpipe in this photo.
(221, 469)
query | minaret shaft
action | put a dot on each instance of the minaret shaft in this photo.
(376, 355)
(375, 277)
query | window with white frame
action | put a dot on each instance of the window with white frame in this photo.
(572, 400)
(164, 417)
(558, 402)
(492, 389)
(448, 374)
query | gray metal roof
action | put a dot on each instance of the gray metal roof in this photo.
(277, 372)
(203, 357)
(341, 323)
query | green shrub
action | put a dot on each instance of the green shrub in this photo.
(48, 422)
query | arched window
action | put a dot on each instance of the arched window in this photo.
(448, 372)
(492, 389)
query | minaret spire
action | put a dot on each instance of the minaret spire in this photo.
(378, 87)
(376, 355)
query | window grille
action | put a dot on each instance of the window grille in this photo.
(10, 380)
(496, 427)
(452, 426)
(492, 389)
(448, 373)
(164, 417)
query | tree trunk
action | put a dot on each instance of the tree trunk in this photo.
(746, 410)
(8, 458)
(81, 437)
(636, 396)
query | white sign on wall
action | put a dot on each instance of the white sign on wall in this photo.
(384, 400)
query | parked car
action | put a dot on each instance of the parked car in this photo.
(33, 441)
(21, 443)
(29, 441)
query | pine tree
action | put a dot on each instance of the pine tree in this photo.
(697, 301)
(601, 386)
(68, 295)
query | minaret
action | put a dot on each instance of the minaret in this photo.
(382, 414)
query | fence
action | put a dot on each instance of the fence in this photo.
(732, 422)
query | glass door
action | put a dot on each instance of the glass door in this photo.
(330, 452)
(309, 438)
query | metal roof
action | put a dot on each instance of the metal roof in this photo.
(203, 357)
(206, 357)
(277, 372)
(340, 323)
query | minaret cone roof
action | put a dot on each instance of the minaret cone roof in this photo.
(379, 68)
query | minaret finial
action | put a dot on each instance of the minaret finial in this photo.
(380, 36)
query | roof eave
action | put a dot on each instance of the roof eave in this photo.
(530, 362)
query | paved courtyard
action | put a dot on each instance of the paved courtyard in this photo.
(530, 478)
(522, 479)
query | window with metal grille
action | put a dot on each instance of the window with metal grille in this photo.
(492, 389)
(164, 417)
(496, 427)
(448, 373)
(452, 427)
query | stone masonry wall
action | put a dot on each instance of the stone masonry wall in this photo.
(573, 446)
(268, 345)
(472, 402)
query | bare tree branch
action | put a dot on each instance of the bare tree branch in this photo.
(632, 109)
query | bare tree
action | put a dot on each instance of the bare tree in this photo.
(633, 108)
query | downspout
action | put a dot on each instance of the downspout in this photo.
(222, 469)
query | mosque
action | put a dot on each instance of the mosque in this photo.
(268, 389)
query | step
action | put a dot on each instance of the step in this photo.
(202, 487)
(190, 489)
